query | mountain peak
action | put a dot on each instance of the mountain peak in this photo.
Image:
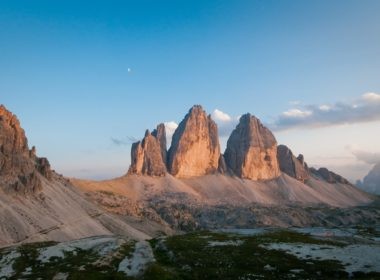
(20, 168)
(252, 150)
(195, 149)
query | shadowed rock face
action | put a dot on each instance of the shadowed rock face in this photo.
(195, 149)
(147, 155)
(371, 182)
(252, 150)
(160, 134)
(20, 168)
(291, 165)
(328, 176)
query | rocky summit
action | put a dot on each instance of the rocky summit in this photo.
(252, 150)
(148, 156)
(195, 149)
(291, 165)
(160, 134)
(328, 176)
(20, 169)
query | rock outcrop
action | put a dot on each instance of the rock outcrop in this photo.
(160, 134)
(147, 155)
(291, 165)
(20, 168)
(195, 149)
(252, 150)
(328, 176)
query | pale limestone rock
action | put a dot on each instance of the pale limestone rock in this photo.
(160, 134)
(20, 168)
(146, 156)
(252, 150)
(195, 149)
(292, 166)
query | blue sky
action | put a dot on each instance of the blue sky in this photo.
(64, 72)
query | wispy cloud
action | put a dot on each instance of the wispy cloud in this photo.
(363, 109)
(124, 141)
(364, 156)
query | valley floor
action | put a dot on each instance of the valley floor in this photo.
(261, 253)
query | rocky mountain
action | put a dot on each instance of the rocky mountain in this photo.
(195, 149)
(371, 182)
(37, 204)
(252, 150)
(20, 169)
(191, 187)
(148, 157)
(291, 165)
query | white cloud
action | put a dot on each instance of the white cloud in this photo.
(297, 113)
(366, 108)
(170, 128)
(226, 123)
(324, 108)
(371, 97)
(218, 115)
(364, 156)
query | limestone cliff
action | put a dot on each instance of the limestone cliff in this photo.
(252, 150)
(20, 168)
(195, 149)
(147, 155)
(291, 165)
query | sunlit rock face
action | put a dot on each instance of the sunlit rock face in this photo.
(291, 165)
(195, 149)
(251, 151)
(20, 168)
(147, 155)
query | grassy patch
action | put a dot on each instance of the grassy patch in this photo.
(197, 255)
(78, 264)
(190, 257)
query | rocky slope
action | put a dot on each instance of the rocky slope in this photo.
(252, 150)
(195, 149)
(36, 204)
(214, 201)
